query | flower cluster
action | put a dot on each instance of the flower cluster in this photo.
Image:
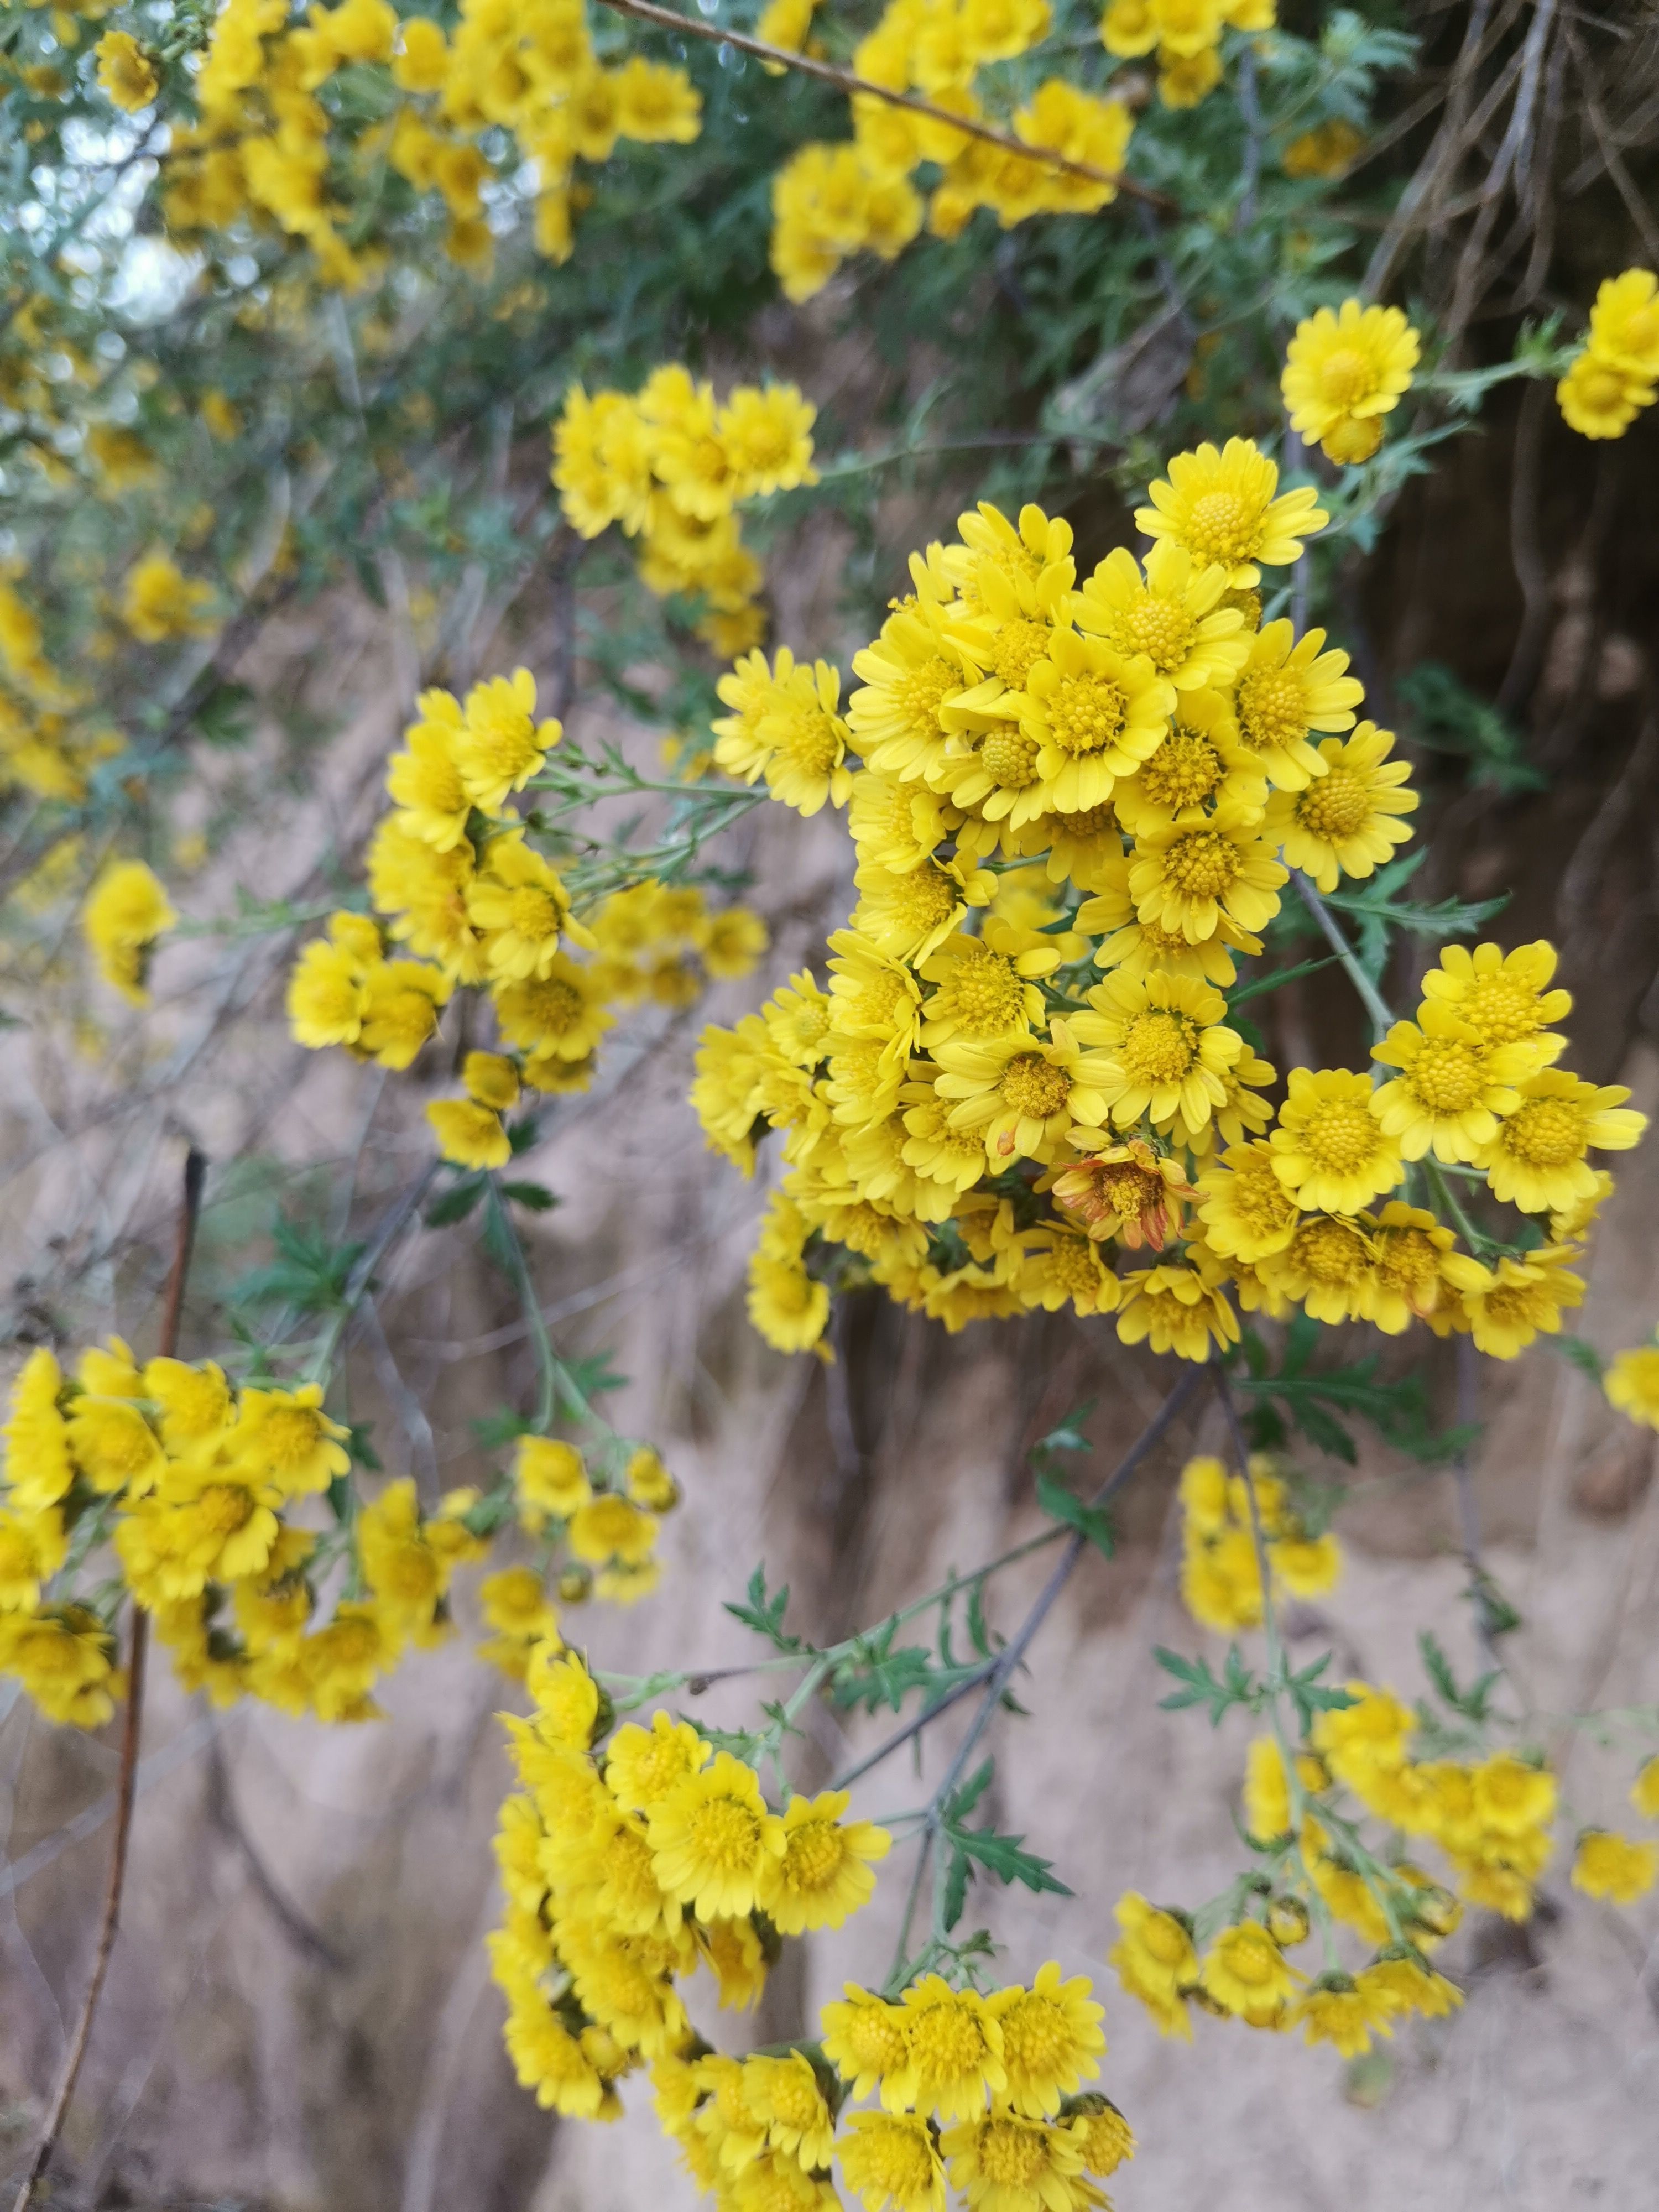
(670, 465)
(636, 1858)
(277, 114)
(1186, 35)
(46, 748)
(474, 904)
(125, 913)
(1612, 378)
(1220, 1579)
(831, 201)
(1343, 373)
(1051, 781)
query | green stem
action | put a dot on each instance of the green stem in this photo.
(1374, 1004)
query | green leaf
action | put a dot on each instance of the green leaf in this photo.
(1091, 1522)
(534, 1195)
(457, 1202)
(1584, 1357)
(956, 1873)
(593, 1376)
(1200, 1686)
(1447, 717)
(1317, 1400)
(1378, 912)
(964, 1801)
(1310, 1696)
(1005, 1857)
(1475, 1703)
(765, 1614)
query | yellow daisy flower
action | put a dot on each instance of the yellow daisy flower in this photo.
(498, 747)
(1601, 397)
(1537, 1158)
(1050, 2035)
(1248, 1211)
(1327, 1267)
(783, 2093)
(1503, 997)
(953, 2051)
(1060, 1270)
(1245, 1973)
(1031, 561)
(1100, 2133)
(1291, 687)
(804, 741)
(866, 2040)
(1632, 1384)
(1409, 1277)
(1329, 1147)
(1345, 822)
(1094, 715)
(1611, 1866)
(823, 1875)
(1346, 368)
(1166, 1040)
(1170, 612)
(1077, 846)
(1644, 1790)
(1177, 1309)
(1336, 2010)
(984, 986)
(908, 916)
(1510, 1304)
(1452, 1086)
(1199, 763)
(889, 2161)
(1123, 1190)
(521, 908)
(1624, 323)
(896, 824)
(1186, 876)
(1024, 1091)
(710, 1837)
(1000, 2162)
(911, 674)
(767, 434)
(1221, 506)
(468, 1134)
(425, 781)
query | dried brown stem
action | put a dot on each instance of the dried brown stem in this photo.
(126, 1784)
(855, 86)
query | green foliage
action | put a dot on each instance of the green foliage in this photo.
(1474, 1703)
(309, 1273)
(764, 1613)
(1092, 1522)
(1379, 913)
(971, 1850)
(1447, 717)
(1238, 1686)
(1319, 1402)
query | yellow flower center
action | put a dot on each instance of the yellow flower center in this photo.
(289, 1436)
(224, 1509)
(1259, 1200)
(1273, 708)
(876, 2039)
(1406, 1260)
(1034, 1086)
(627, 1870)
(923, 899)
(1447, 1076)
(1330, 1252)
(555, 1007)
(809, 742)
(1014, 2153)
(1164, 1940)
(1161, 628)
(1336, 804)
(889, 2160)
(923, 691)
(1184, 771)
(724, 1835)
(984, 993)
(1089, 821)
(502, 748)
(1019, 645)
(1036, 2037)
(1085, 714)
(1073, 1266)
(1253, 1959)
(875, 1000)
(1345, 376)
(1342, 1134)
(531, 914)
(1603, 388)
(806, 1025)
(1203, 864)
(1220, 527)
(1504, 1011)
(946, 2041)
(1129, 1190)
(861, 1228)
(1009, 759)
(816, 1854)
(1545, 1133)
(1159, 1046)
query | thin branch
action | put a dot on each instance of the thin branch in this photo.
(1374, 1004)
(857, 87)
(126, 1784)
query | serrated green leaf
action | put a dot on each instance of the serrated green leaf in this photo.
(1091, 1522)
(456, 1203)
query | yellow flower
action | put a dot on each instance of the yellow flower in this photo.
(1060, 1270)
(913, 675)
(1186, 877)
(1050, 2034)
(1644, 1791)
(1199, 763)
(1631, 1383)
(889, 2163)
(64, 1657)
(1245, 1971)
(1537, 1158)
(1171, 612)
(521, 907)
(33, 1547)
(559, 1014)
(1452, 1085)
(783, 2093)
(1123, 1190)
(1328, 1264)
(602, 464)
(768, 436)
(1410, 1275)
(645, 1766)
(285, 1438)
(1327, 150)
(1221, 506)
(125, 72)
(424, 781)
(710, 1837)
(1329, 1147)
(468, 1134)
(983, 987)
(39, 1470)
(1094, 714)
(801, 741)
(823, 1874)
(160, 603)
(908, 916)
(1154, 1958)
(1023, 1090)
(785, 1305)
(1346, 368)
(1503, 997)
(953, 2051)
(657, 103)
(1176, 1308)
(1291, 687)
(1510, 1304)
(1397, 1984)
(1601, 397)
(1623, 323)
(1167, 1043)
(1248, 1211)
(1337, 2010)
(1001, 2162)
(866, 2040)
(1345, 822)
(1611, 1866)
(1266, 1792)
(610, 1527)
(126, 911)
(499, 747)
